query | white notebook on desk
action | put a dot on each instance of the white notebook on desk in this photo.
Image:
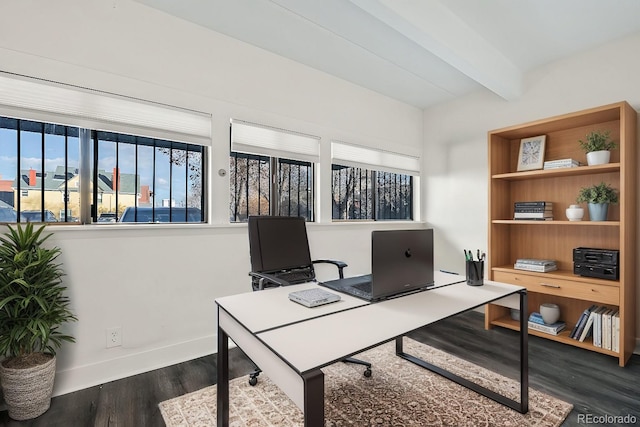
(313, 297)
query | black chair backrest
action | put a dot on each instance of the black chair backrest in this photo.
(278, 245)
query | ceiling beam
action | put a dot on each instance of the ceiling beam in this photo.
(438, 30)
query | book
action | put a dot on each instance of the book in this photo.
(560, 163)
(532, 208)
(536, 268)
(606, 329)
(597, 328)
(536, 318)
(532, 215)
(553, 329)
(536, 203)
(535, 261)
(533, 219)
(586, 331)
(615, 331)
(577, 330)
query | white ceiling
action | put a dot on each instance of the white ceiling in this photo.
(421, 52)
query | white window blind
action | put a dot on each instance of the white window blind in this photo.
(369, 158)
(264, 140)
(42, 100)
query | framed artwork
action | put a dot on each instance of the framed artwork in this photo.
(531, 154)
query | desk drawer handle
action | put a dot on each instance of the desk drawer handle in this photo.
(549, 285)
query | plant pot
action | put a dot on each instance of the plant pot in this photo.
(598, 157)
(598, 211)
(28, 391)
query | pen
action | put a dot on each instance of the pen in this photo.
(478, 254)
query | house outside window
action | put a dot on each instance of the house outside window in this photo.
(271, 172)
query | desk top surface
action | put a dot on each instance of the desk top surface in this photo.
(309, 338)
(317, 342)
(271, 308)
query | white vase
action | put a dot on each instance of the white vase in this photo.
(598, 157)
(574, 213)
(550, 313)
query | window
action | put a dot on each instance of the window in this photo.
(41, 163)
(146, 180)
(371, 195)
(38, 165)
(71, 173)
(367, 184)
(271, 172)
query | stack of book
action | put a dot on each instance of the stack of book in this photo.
(561, 163)
(536, 322)
(534, 264)
(602, 324)
(535, 210)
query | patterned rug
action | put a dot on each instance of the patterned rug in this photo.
(398, 393)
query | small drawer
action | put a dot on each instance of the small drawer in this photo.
(561, 287)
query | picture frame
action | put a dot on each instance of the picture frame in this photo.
(531, 155)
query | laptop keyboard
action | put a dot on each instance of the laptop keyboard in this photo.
(363, 287)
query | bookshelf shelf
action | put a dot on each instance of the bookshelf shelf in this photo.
(550, 173)
(511, 239)
(563, 336)
(558, 222)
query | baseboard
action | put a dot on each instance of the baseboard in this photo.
(86, 376)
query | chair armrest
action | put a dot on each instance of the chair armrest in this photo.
(341, 265)
(264, 279)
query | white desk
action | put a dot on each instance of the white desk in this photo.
(291, 343)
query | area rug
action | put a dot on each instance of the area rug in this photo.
(398, 393)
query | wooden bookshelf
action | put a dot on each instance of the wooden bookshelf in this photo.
(512, 239)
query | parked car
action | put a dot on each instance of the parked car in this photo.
(36, 216)
(7, 214)
(108, 217)
(161, 214)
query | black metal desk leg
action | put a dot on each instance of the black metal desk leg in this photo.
(313, 398)
(223, 378)
(524, 353)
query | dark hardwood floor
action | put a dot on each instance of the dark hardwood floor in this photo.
(593, 383)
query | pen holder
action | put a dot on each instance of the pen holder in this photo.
(475, 273)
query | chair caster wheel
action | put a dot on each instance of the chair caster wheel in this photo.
(253, 381)
(367, 373)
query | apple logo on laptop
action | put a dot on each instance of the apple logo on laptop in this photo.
(407, 253)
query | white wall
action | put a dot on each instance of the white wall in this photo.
(456, 164)
(159, 282)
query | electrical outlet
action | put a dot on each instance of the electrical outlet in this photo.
(114, 337)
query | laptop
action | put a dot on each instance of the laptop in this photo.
(313, 297)
(401, 263)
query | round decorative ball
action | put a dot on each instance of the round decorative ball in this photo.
(550, 313)
(574, 213)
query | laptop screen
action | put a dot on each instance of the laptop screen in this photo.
(401, 261)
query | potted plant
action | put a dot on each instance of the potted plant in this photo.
(598, 198)
(598, 145)
(32, 307)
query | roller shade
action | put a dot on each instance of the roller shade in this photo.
(253, 138)
(87, 108)
(363, 157)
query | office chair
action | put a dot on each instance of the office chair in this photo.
(280, 256)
